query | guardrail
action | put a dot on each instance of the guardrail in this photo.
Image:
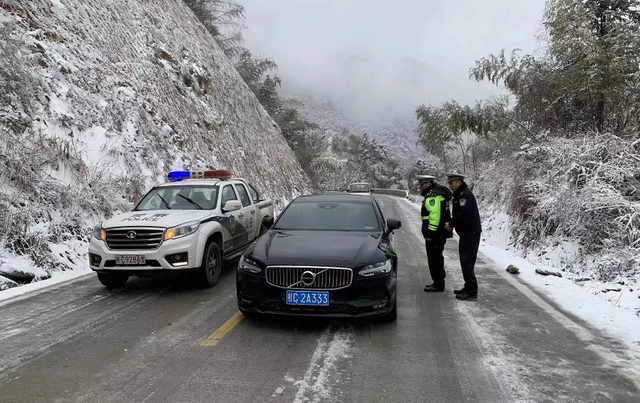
(392, 192)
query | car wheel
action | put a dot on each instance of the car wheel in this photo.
(211, 265)
(246, 313)
(113, 280)
(393, 315)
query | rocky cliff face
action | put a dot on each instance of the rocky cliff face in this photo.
(99, 100)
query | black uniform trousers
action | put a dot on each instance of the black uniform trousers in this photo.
(468, 249)
(435, 258)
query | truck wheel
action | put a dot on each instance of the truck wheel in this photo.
(263, 230)
(112, 280)
(211, 265)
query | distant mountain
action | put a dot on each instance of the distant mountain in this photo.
(368, 95)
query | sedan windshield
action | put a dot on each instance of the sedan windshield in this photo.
(360, 189)
(180, 198)
(329, 216)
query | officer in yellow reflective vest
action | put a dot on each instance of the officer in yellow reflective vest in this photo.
(435, 213)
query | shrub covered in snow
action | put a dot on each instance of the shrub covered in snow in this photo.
(584, 188)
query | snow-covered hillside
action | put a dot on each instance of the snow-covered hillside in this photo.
(571, 204)
(98, 101)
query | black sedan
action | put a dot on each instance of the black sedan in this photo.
(327, 255)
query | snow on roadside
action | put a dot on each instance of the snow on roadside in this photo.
(55, 279)
(573, 298)
(563, 256)
(71, 254)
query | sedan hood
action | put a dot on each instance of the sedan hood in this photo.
(318, 248)
(156, 218)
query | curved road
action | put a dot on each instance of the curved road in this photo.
(162, 340)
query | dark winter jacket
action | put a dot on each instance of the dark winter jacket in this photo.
(466, 217)
(435, 212)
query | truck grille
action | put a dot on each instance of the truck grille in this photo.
(324, 278)
(134, 238)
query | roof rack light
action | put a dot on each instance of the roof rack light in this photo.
(221, 174)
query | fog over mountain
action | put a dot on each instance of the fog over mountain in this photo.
(372, 62)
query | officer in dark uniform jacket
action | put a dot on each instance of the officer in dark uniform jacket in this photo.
(466, 222)
(435, 213)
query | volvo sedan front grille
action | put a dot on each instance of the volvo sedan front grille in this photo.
(134, 238)
(311, 278)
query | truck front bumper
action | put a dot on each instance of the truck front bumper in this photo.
(102, 259)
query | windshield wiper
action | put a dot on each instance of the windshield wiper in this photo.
(164, 201)
(190, 201)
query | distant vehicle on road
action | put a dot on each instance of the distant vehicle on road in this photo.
(327, 255)
(362, 189)
(192, 223)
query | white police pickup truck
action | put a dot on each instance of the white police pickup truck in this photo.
(192, 223)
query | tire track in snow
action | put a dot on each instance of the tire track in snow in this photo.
(335, 346)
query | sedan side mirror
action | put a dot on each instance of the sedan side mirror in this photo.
(268, 222)
(231, 206)
(129, 207)
(392, 225)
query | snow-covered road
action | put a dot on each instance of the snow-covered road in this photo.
(79, 342)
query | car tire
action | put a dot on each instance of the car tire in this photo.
(246, 313)
(113, 280)
(393, 314)
(211, 265)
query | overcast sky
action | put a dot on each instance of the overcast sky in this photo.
(447, 36)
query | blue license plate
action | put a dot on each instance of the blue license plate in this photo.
(309, 298)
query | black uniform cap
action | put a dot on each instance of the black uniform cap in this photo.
(455, 177)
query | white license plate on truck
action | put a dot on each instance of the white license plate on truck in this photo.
(129, 260)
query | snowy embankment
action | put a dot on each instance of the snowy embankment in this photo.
(572, 204)
(563, 257)
(98, 101)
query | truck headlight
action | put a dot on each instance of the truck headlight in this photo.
(377, 269)
(182, 230)
(99, 233)
(248, 266)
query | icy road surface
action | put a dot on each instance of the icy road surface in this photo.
(161, 340)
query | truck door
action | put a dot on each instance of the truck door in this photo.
(235, 224)
(250, 211)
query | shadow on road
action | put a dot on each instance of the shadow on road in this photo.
(296, 323)
(175, 282)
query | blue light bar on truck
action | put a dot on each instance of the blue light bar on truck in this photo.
(179, 175)
(221, 174)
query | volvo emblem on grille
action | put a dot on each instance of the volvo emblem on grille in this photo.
(131, 234)
(308, 278)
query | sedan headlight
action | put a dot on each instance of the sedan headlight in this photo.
(377, 269)
(248, 266)
(182, 230)
(99, 233)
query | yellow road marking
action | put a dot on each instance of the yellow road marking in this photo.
(215, 338)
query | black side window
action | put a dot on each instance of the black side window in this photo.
(228, 194)
(244, 196)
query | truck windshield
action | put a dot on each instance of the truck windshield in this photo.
(180, 198)
(329, 216)
(360, 189)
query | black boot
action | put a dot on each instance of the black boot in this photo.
(460, 291)
(467, 297)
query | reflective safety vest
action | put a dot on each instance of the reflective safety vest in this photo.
(433, 206)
